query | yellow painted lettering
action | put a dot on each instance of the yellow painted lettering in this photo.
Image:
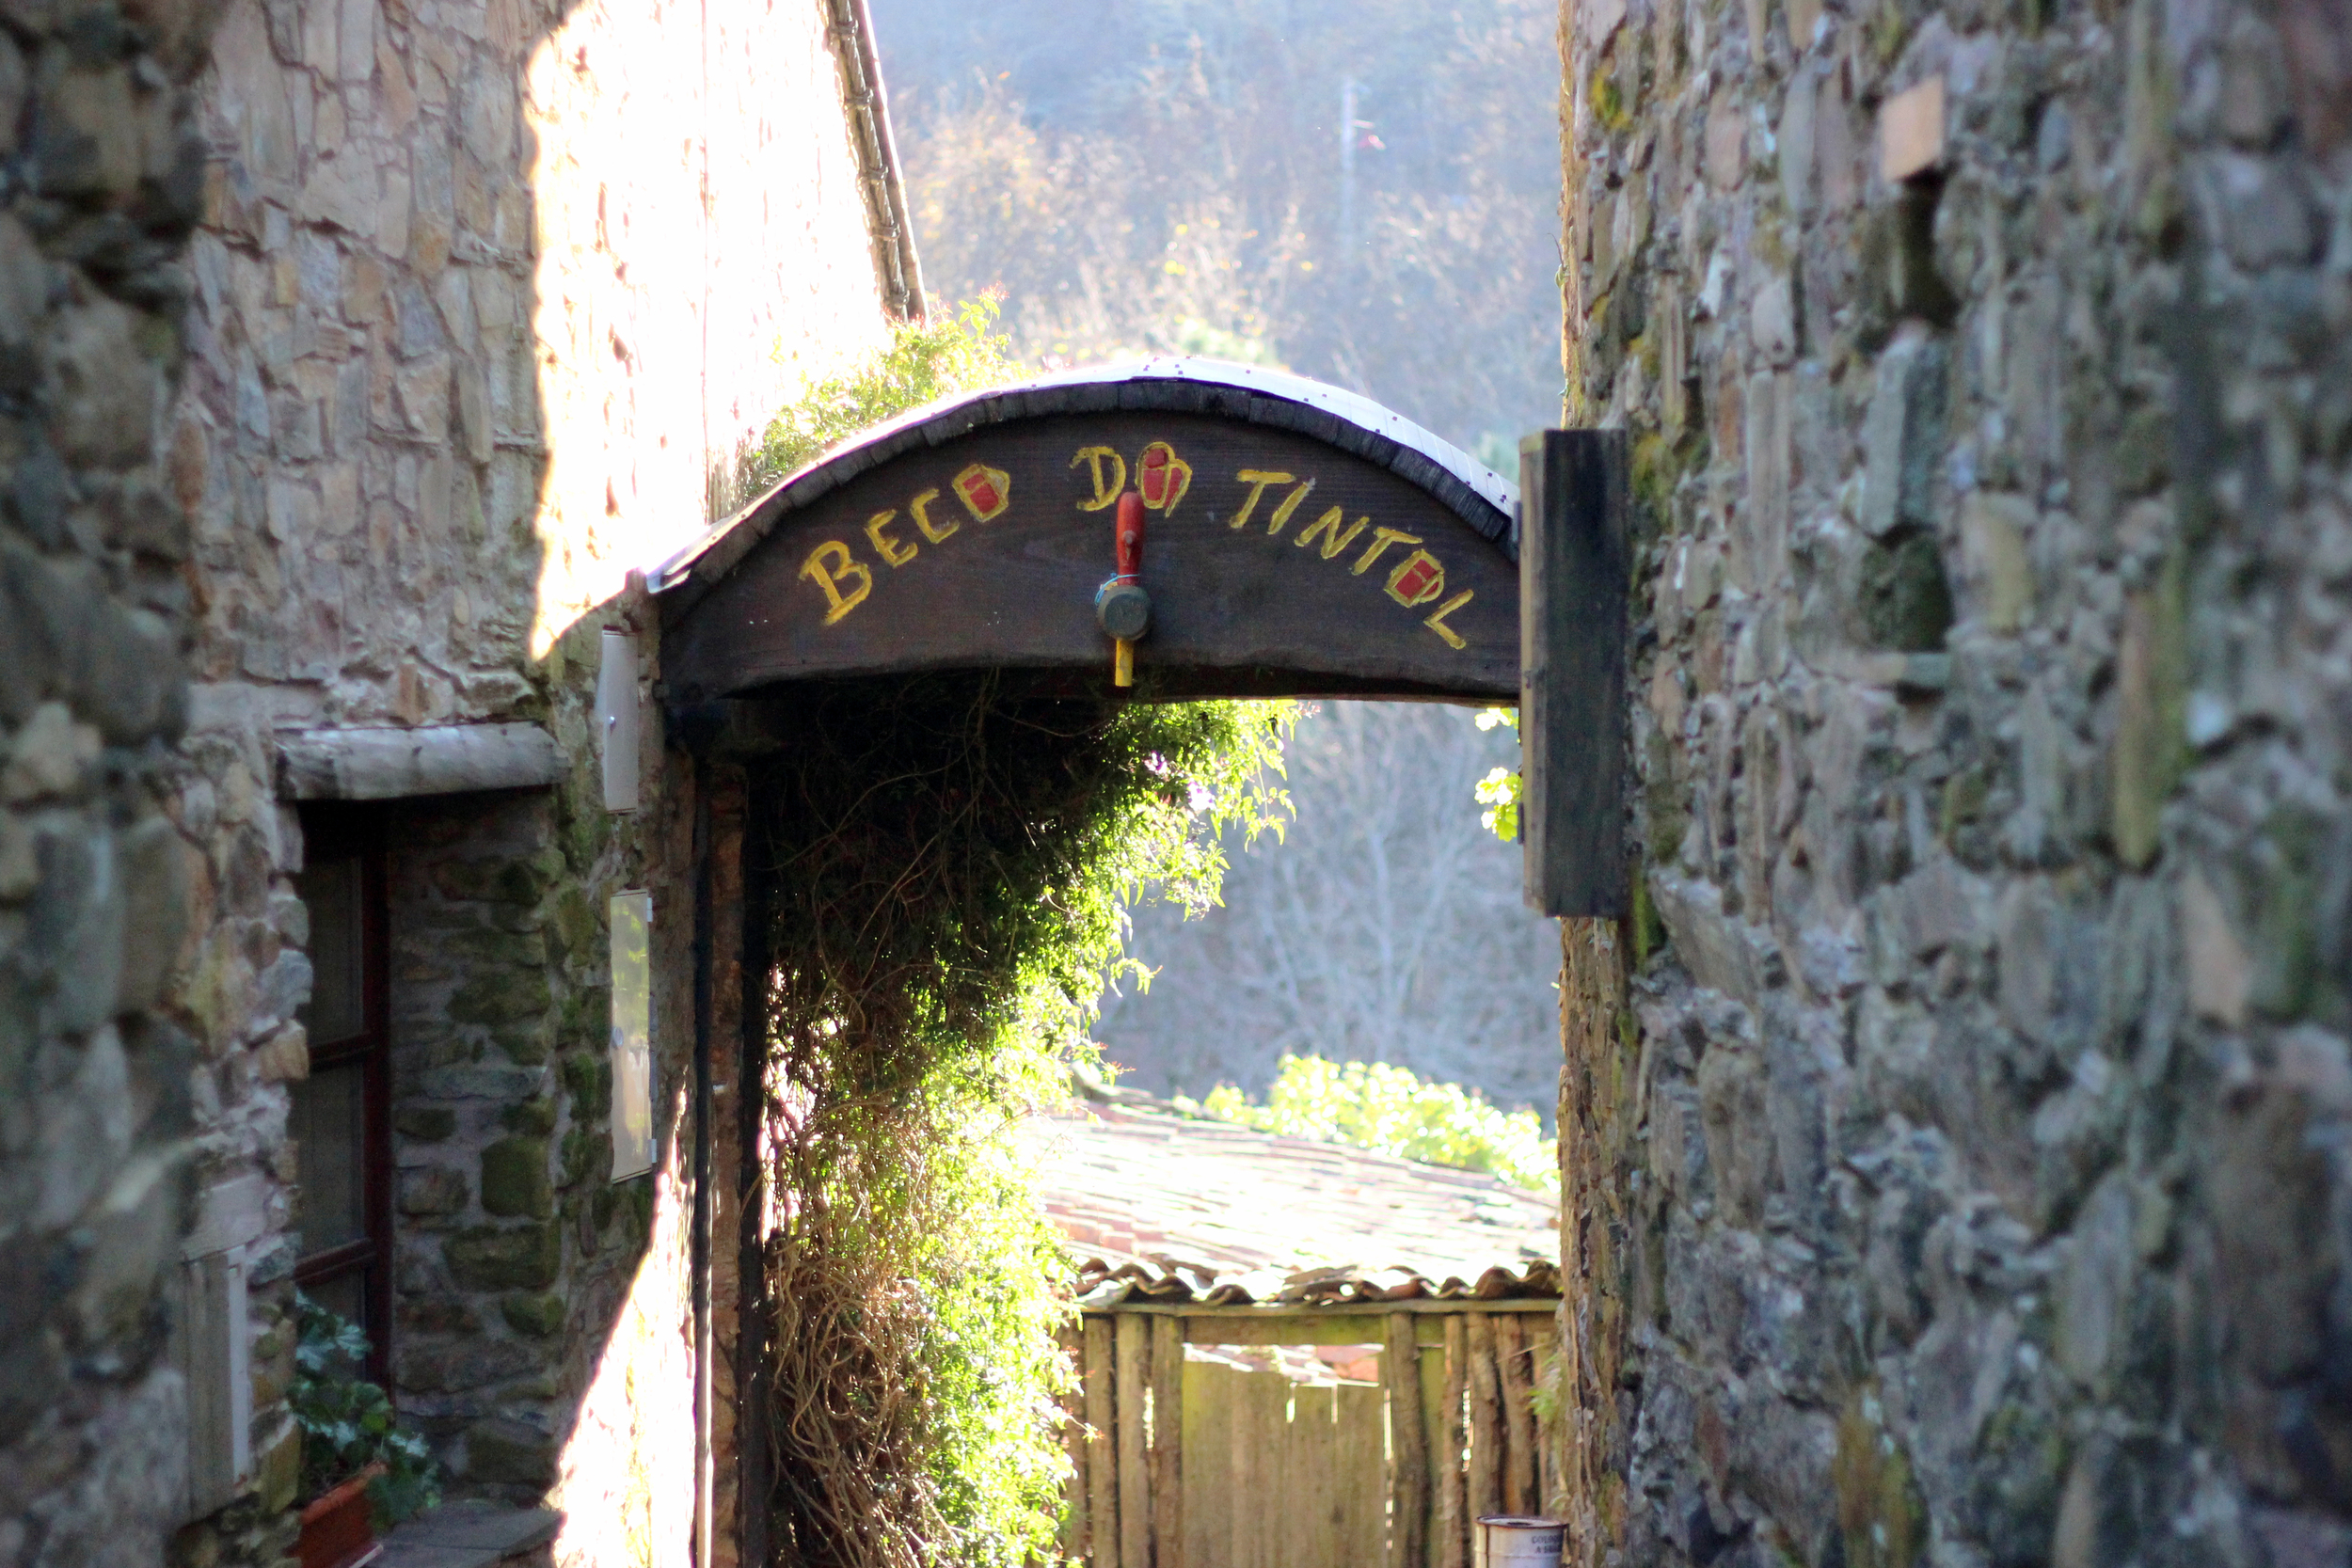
(984, 491)
(1381, 539)
(917, 509)
(1162, 477)
(1417, 579)
(1437, 621)
(1333, 540)
(1257, 480)
(1095, 457)
(896, 551)
(830, 565)
(1290, 504)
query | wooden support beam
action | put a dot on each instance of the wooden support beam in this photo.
(1451, 1548)
(1134, 1371)
(1101, 1451)
(1486, 1420)
(1167, 1485)
(1409, 1448)
(1072, 1339)
(1575, 566)
(1520, 1495)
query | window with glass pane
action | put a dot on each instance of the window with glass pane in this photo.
(340, 1115)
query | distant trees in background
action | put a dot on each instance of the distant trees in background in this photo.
(1173, 175)
(1387, 926)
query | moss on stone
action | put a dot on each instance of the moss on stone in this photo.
(530, 1117)
(588, 1079)
(515, 1179)
(501, 996)
(1880, 1515)
(540, 1315)
(1906, 600)
(496, 1257)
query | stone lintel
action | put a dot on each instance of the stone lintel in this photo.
(391, 764)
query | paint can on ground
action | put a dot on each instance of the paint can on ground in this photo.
(1502, 1541)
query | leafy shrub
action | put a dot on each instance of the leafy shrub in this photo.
(922, 362)
(1499, 791)
(1389, 1110)
(347, 1422)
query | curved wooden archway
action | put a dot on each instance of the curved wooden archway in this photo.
(1301, 540)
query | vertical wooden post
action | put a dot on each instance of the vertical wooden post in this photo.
(1408, 1446)
(1592, 1084)
(1575, 566)
(1167, 1398)
(1519, 1492)
(1072, 1339)
(1132, 1349)
(1101, 1451)
(1453, 1546)
(1485, 1419)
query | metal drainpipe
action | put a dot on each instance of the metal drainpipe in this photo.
(850, 30)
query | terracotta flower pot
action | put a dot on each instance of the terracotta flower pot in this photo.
(337, 1530)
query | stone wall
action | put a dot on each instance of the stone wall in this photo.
(1981, 1152)
(469, 294)
(1982, 1177)
(99, 189)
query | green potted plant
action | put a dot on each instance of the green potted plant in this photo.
(360, 1473)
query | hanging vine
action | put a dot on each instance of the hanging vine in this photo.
(948, 858)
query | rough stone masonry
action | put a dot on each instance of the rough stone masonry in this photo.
(1981, 1127)
(100, 182)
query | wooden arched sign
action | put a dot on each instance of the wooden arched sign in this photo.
(1300, 541)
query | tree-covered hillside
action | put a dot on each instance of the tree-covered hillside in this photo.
(1166, 174)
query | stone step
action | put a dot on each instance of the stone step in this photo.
(473, 1535)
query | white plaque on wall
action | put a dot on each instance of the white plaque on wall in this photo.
(632, 1035)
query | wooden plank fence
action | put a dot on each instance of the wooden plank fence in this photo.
(1185, 1463)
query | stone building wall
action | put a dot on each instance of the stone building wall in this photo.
(1980, 1159)
(350, 352)
(99, 163)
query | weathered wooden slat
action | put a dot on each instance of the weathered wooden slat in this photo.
(1409, 1448)
(1101, 1451)
(1574, 583)
(1262, 1510)
(1133, 1363)
(1486, 1419)
(1167, 1488)
(1072, 1339)
(1452, 1547)
(1208, 1479)
(1310, 1502)
(1520, 1493)
(1359, 1475)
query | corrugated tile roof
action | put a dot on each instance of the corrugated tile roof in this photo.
(1167, 1207)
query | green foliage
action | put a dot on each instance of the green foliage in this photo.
(1389, 1110)
(347, 1422)
(923, 362)
(948, 860)
(1499, 791)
